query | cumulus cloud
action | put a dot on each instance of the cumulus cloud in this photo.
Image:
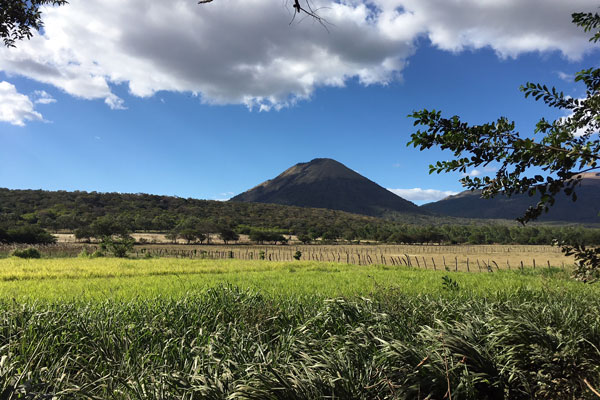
(565, 77)
(42, 97)
(245, 52)
(510, 27)
(419, 195)
(16, 108)
(473, 173)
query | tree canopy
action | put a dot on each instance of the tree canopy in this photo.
(562, 151)
(19, 17)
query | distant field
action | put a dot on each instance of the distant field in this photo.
(73, 278)
(472, 258)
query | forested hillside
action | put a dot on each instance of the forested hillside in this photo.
(24, 214)
(64, 210)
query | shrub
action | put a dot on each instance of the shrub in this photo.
(29, 234)
(27, 253)
(84, 253)
(119, 247)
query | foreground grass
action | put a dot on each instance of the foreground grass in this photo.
(131, 329)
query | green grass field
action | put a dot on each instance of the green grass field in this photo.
(101, 278)
(103, 328)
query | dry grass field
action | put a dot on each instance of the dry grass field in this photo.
(460, 258)
(471, 258)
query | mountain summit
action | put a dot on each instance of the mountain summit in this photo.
(326, 183)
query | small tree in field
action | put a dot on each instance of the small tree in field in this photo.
(189, 234)
(84, 233)
(568, 147)
(304, 238)
(172, 236)
(118, 246)
(227, 235)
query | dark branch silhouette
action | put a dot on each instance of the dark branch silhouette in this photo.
(307, 9)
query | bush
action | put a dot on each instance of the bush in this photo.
(29, 234)
(27, 253)
(84, 254)
(83, 233)
(119, 247)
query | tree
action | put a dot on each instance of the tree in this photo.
(304, 238)
(565, 151)
(18, 17)
(108, 226)
(227, 234)
(84, 233)
(189, 234)
(172, 236)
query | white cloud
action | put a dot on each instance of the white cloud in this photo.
(564, 76)
(43, 97)
(510, 27)
(473, 173)
(16, 108)
(245, 51)
(115, 102)
(420, 196)
(580, 131)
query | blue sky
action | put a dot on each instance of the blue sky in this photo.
(115, 119)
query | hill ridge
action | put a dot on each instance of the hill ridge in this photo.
(469, 204)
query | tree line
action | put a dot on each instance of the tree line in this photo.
(27, 215)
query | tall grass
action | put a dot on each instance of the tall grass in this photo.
(227, 343)
(231, 329)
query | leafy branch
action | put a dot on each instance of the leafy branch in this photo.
(566, 149)
(19, 17)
